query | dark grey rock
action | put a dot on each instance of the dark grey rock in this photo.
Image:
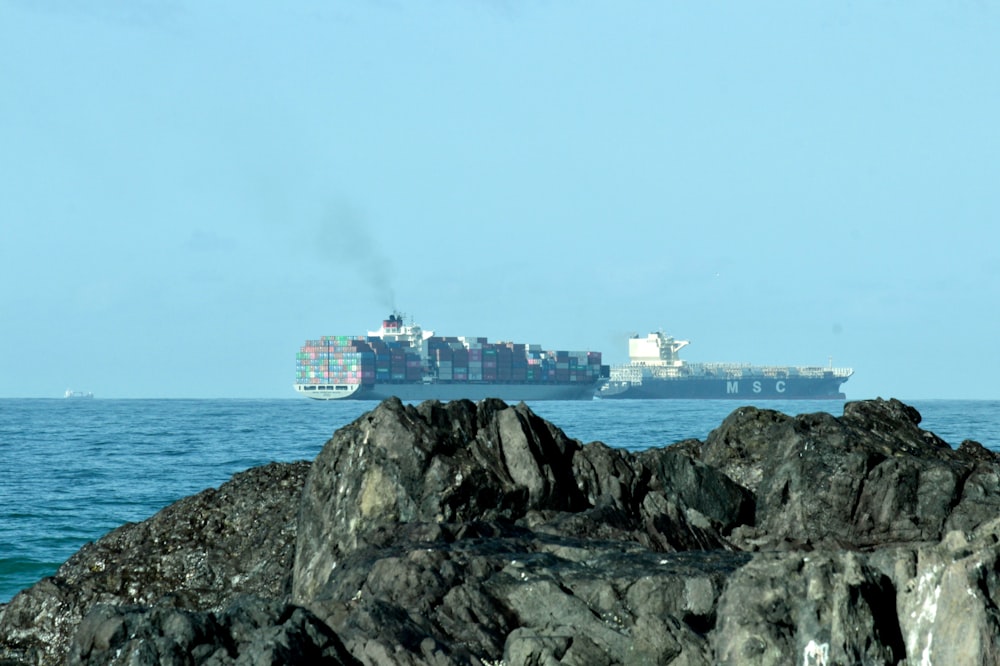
(436, 462)
(808, 608)
(461, 533)
(198, 553)
(251, 631)
(477, 599)
(460, 461)
(432, 530)
(869, 479)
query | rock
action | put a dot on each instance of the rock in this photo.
(251, 631)
(198, 553)
(869, 479)
(948, 602)
(412, 526)
(698, 487)
(436, 462)
(808, 608)
(454, 462)
(479, 534)
(485, 599)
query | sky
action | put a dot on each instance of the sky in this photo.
(189, 190)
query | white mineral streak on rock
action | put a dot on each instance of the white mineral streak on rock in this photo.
(816, 654)
(925, 656)
(928, 592)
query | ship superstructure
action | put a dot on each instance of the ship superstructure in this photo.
(403, 360)
(655, 370)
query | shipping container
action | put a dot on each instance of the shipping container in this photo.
(400, 353)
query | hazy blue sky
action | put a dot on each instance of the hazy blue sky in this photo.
(188, 190)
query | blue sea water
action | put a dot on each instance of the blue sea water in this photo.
(72, 470)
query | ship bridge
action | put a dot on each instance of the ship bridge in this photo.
(656, 349)
(395, 330)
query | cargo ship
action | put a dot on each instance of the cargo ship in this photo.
(656, 371)
(402, 360)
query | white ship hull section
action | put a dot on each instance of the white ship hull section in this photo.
(327, 392)
(446, 392)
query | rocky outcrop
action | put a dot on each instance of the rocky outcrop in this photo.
(467, 523)
(466, 533)
(199, 553)
(868, 479)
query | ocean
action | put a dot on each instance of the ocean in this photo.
(72, 470)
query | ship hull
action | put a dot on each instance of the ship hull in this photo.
(688, 388)
(455, 391)
(655, 371)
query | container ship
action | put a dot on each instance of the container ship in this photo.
(655, 370)
(405, 361)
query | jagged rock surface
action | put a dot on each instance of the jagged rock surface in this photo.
(458, 462)
(466, 533)
(868, 479)
(199, 553)
(249, 632)
(466, 523)
(808, 608)
(948, 598)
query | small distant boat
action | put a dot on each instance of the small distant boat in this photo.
(70, 393)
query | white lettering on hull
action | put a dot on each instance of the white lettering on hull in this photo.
(733, 387)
